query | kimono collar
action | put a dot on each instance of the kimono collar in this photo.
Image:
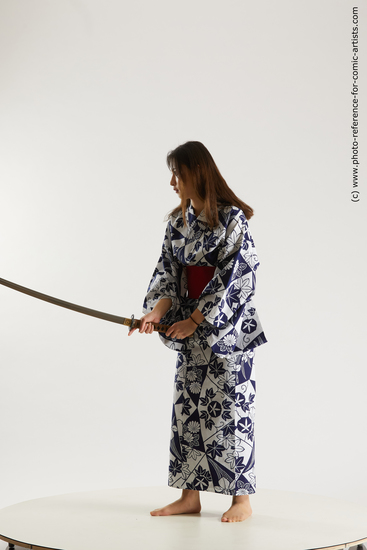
(191, 217)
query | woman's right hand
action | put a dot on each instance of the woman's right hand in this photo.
(146, 323)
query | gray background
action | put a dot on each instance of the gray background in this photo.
(93, 95)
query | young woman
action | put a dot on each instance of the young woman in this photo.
(203, 286)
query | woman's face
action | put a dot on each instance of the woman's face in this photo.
(182, 189)
(176, 182)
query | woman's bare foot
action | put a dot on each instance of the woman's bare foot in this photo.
(189, 503)
(240, 509)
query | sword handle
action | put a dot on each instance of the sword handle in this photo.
(135, 323)
(157, 327)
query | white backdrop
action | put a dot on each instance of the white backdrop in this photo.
(93, 95)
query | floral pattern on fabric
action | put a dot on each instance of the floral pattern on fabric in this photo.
(231, 321)
(212, 438)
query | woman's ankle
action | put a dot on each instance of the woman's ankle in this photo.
(190, 495)
(241, 499)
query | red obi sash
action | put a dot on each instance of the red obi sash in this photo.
(198, 276)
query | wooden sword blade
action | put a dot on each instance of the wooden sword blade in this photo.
(80, 309)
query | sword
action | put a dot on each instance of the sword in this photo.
(131, 323)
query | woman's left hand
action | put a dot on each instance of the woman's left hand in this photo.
(182, 329)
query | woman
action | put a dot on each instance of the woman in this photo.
(203, 286)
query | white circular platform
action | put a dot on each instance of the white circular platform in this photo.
(119, 518)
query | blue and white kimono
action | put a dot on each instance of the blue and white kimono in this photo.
(212, 438)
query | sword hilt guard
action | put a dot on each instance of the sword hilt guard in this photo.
(132, 322)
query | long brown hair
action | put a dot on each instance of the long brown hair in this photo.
(209, 184)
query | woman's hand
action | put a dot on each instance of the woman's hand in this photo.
(146, 325)
(159, 311)
(182, 329)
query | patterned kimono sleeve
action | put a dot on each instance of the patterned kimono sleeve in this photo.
(226, 302)
(165, 282)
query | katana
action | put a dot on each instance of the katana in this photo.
(129, 322)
